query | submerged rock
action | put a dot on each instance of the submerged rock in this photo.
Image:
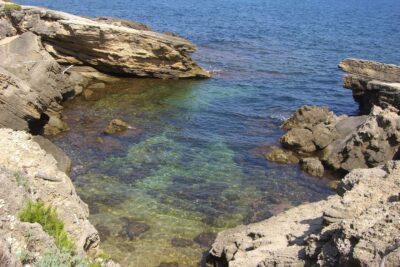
(205, 239)
(181, 242)
(116, 126)
(281, 156)
(168, 264)
(133, 229)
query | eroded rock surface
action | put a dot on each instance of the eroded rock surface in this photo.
(31, 82)
(372, 83)
(28, 172)
(343, 143)
(358, 228)
(109, 45)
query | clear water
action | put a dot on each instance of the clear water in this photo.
(193, 164)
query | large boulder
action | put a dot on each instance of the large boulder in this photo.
(358, 228)
(108, 45)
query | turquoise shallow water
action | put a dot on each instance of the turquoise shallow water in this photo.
(193, 164)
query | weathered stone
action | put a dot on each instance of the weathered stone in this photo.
(372, 83)
(360, 226)
(116, 126)
(31, 81)
(23, 156)
(281, 156)
(109, 46)
(309, 116)
(312, 166)
(299, 139)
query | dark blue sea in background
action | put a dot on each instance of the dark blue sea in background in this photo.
(196, 167)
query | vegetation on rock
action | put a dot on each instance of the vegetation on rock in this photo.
(37, 212)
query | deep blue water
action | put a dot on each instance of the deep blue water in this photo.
(196, 166)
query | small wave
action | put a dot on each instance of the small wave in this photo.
(279, 117)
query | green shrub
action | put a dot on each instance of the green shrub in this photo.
(55, 259)
(22, 181)
(11, 6)
(36, 212)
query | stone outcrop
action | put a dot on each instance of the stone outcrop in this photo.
(42, 180)
(359, 227)
(344, 143)
(109, 45)
(31, 83)
(372, 83)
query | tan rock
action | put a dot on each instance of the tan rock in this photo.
(116, 126)
(360, 226)
(281, 156)
(312, 166)
(20, 154)
(114, 48)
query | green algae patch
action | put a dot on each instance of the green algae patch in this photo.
(8, 7)
(37, 212)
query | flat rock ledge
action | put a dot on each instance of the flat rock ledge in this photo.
(111, 46)
(29, 172)
(358, 227)
(372, 83)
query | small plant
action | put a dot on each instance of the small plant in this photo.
(36, 212)
(55, 259)
(22, 181)
(25, 256)
(11, 6)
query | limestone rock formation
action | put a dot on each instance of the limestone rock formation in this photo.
(343, 143)
(358, 228)
(31, 81)
(109, 45)
(372, 83)
(40, 179)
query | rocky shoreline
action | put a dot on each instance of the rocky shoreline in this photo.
(359, 226)
(48, 57)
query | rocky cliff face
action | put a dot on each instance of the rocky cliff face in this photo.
(359, 227)
(372, 83)
(28, 172)
(32, 83)
(111, 46)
